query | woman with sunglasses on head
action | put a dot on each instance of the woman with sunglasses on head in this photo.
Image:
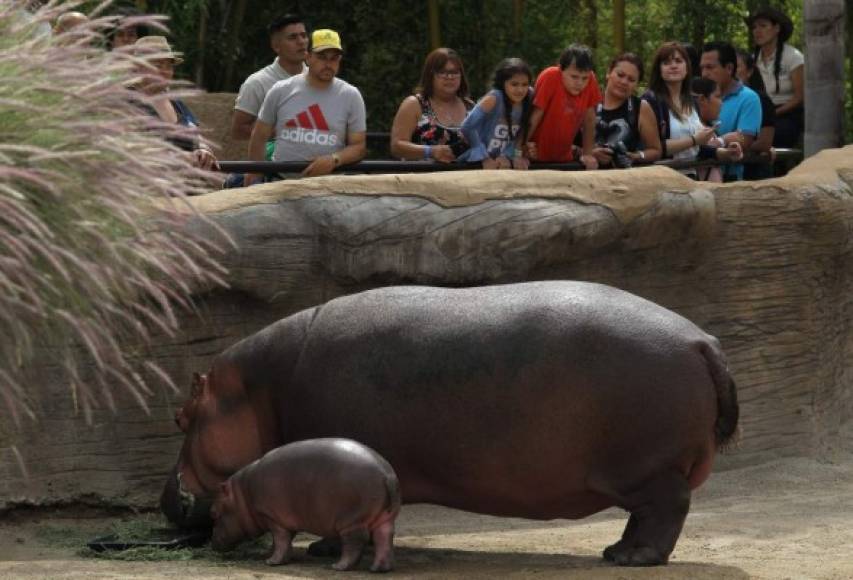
(428, 123)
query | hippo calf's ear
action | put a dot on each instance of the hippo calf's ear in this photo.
(197, 385)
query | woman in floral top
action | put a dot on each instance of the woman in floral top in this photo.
(428, 123)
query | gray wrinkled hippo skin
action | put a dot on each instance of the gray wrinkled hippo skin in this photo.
(539, 400)
(330, 487)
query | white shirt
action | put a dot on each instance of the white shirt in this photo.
(679, 129)
(791, 60)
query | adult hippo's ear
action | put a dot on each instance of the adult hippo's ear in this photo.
(224, 497)
(182, 420)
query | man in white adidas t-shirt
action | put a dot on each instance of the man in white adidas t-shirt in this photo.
(289, 41)
(314, 116)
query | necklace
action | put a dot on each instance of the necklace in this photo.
(448, 114)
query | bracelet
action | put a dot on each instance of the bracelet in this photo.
(693, 138)
(642, 154)
(427, 151)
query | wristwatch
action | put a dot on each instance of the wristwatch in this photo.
(336, 158)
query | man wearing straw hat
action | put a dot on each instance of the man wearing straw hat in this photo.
(314, 116)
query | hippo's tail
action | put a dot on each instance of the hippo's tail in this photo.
(726, 430)
(392, 494)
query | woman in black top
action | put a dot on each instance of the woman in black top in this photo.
(626, 130)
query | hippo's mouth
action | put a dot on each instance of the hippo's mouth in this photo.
(195, 510)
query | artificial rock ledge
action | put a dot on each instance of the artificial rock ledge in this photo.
(764, 266)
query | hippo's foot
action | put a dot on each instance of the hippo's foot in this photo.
(325, 548)
(353, 542)
(622, 555)
(277, 561)
(382, 566)
(658, 510)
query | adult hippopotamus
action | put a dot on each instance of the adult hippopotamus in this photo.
(539, 400)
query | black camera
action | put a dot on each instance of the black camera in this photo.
(613, 135)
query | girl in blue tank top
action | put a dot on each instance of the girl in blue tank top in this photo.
(496, 128)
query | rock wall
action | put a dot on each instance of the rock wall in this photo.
(213, 111)
(764, 266)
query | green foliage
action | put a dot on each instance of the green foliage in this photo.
(147, 527)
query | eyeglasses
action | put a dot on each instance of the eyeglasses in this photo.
(448, 74)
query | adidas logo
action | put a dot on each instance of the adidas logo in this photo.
(307, 127)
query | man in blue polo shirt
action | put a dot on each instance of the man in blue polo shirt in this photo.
(740, 116)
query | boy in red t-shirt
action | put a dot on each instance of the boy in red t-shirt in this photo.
(565, 100)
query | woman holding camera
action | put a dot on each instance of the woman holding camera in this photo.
(625, 130)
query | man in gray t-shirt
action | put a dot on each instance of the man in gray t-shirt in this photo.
(314, 116)
(289, 41)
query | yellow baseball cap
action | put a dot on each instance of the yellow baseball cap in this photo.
(325, 39)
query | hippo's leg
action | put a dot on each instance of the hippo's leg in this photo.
(353, 542)
(383, 542)
(658, 510)
(281, 544)
(325, 548)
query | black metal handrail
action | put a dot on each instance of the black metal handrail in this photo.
(392, 166)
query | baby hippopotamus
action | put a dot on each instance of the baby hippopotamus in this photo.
(330, 487)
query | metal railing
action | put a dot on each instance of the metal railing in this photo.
(788, 156)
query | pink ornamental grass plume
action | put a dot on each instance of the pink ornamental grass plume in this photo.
(94, 255)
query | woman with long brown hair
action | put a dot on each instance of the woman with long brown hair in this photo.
(428, 123)
(680, 129)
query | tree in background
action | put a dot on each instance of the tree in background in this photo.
(94, 258)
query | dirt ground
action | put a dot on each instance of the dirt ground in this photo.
(791, 518)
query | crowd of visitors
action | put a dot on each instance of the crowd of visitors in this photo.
(713, 103)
